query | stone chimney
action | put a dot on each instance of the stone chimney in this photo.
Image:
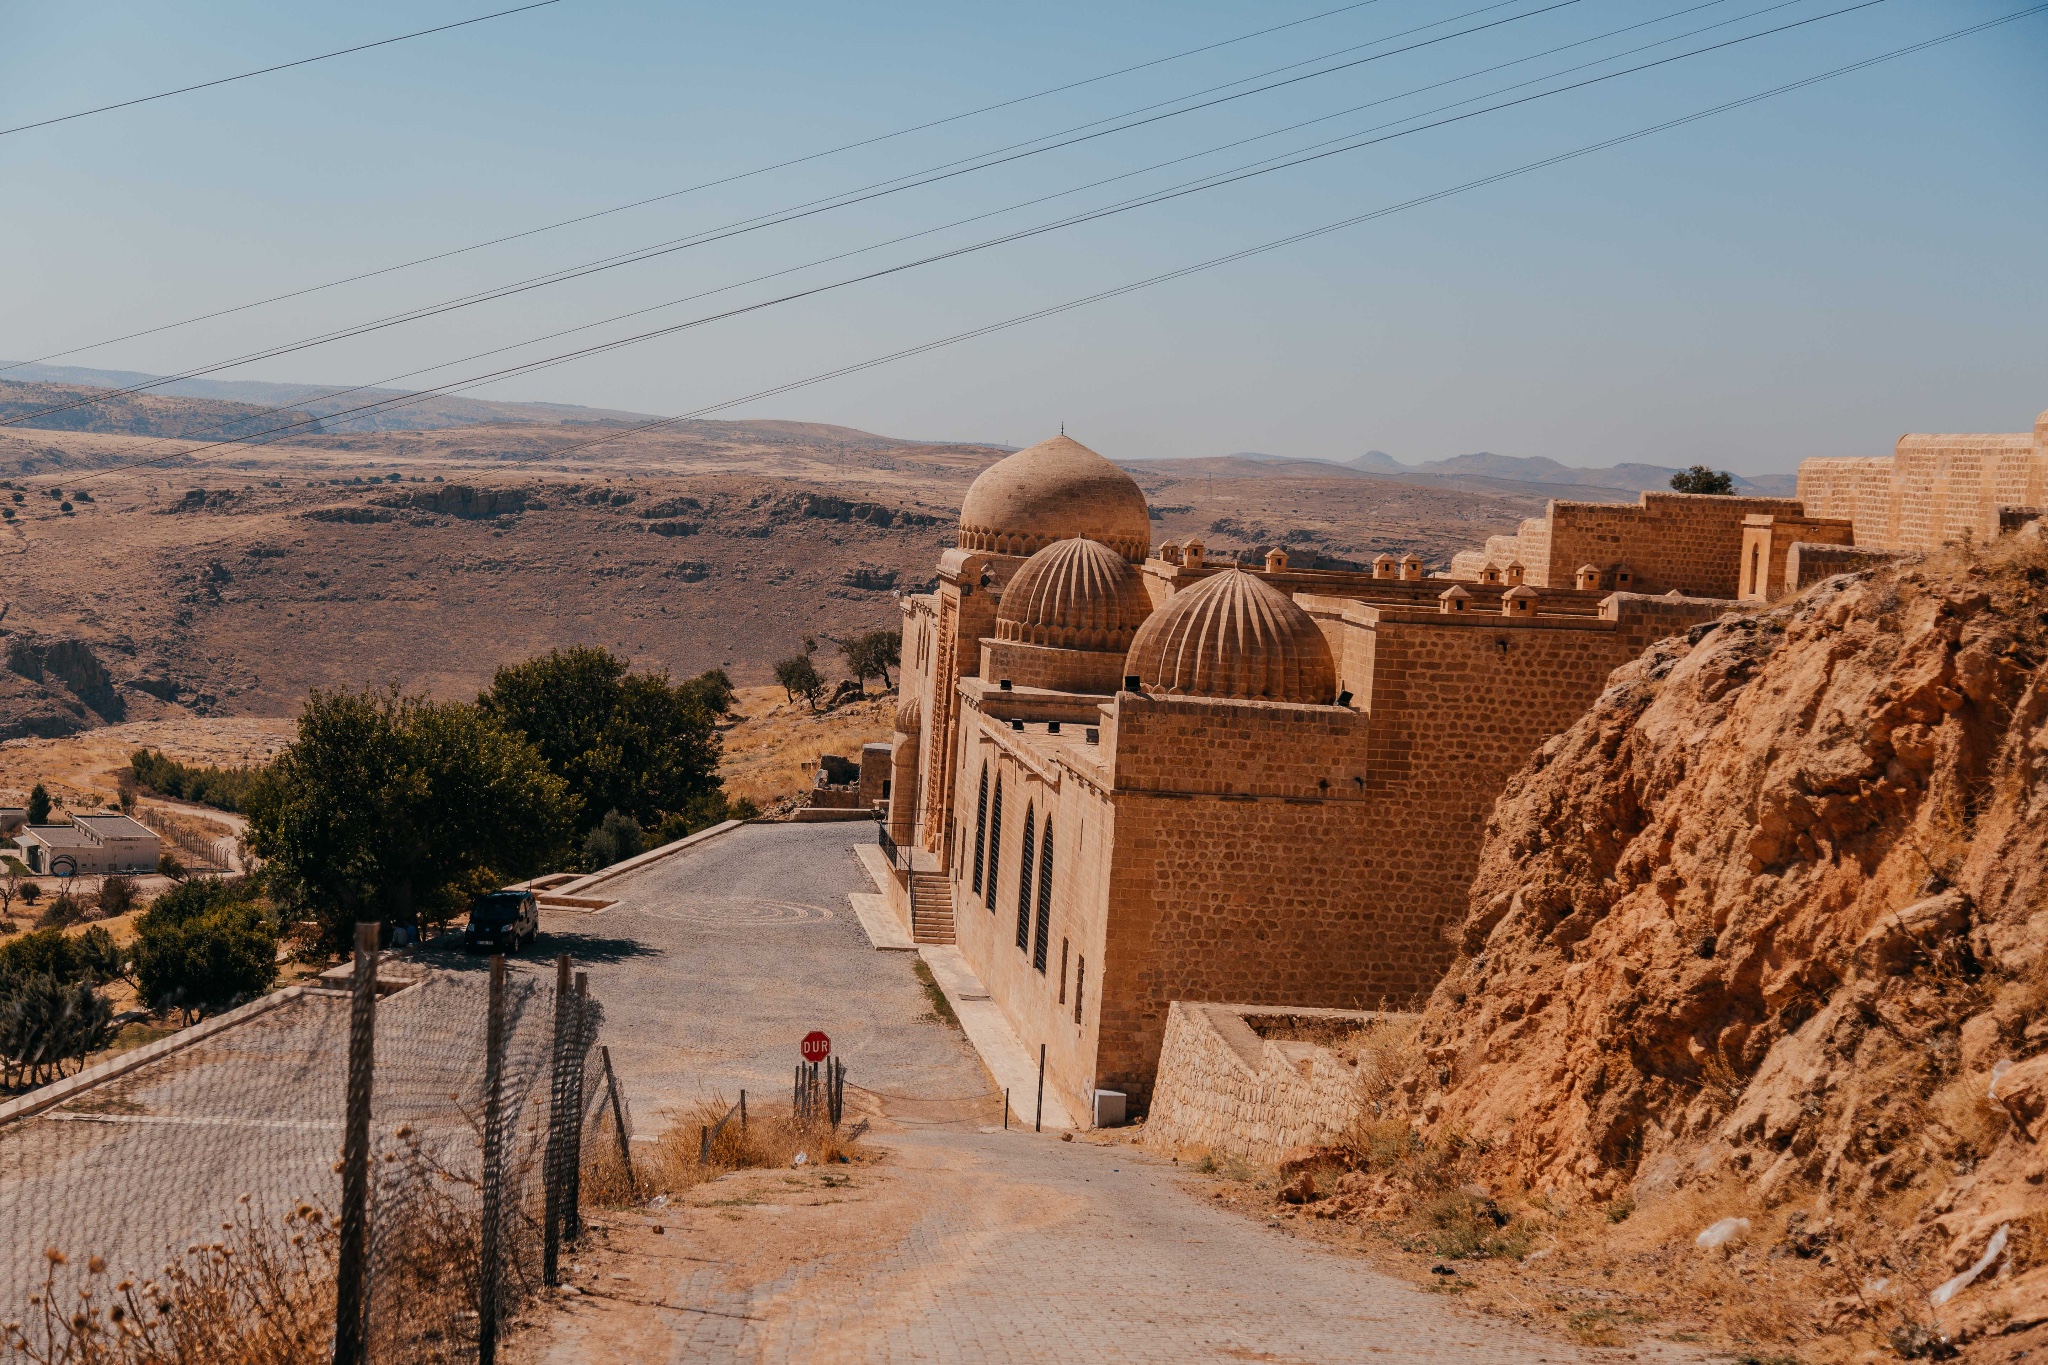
(1454, 599)
(1191, 554)
(1411, 567)
(1384, 566)
(1276, 560)
(1490, 574)
(1588, 578)
(1519, 601)
(1516, 573)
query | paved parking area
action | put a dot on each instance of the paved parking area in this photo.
(716, 961)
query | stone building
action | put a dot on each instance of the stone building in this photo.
(1135, 778)
(1933, 489)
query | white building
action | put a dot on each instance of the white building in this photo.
(91, 845)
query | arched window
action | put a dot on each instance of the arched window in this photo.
(1038, 944)
(980, 826)
(995, 846)
(1024, 884)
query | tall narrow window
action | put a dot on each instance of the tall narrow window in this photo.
(1024, 886)
(995, 846)
(980, 826)
(1063, 971)
(1080, 976)
(1038, 944)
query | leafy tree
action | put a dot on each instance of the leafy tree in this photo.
(39, 805)
(800, 677)
(13, 876)
(711, 688)
(204, 946)
(872, 653)
(45, 1023)
(630, 742)
(1701, 479)
(90, 956)
(615, 839)
(398, 809)
(168, 865)
(224, 788)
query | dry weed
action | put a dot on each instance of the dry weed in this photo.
(772, 1136)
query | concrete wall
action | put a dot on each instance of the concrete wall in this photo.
(1224, 1089)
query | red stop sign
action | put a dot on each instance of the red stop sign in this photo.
(816, 1046)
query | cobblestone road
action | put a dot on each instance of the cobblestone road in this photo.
(970, 1245)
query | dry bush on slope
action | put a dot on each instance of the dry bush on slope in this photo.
(772, 1137)
(1750, 937)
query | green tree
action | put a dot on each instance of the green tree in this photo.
(630, 742)
(204, 946)
(712, 689)
(872, 653)
(398, 809)
(90, 956)
(800, 677)
(1701, 479)
(38, 805)
(45, 1023)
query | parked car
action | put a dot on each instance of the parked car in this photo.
(502, 919)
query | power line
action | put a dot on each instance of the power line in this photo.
(1198, 267)
(380, 404)
(672, 194)
(265, 71)
(881, 189)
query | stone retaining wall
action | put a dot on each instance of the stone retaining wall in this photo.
(1223, 1089)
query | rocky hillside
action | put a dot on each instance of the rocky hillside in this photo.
(1765, 935)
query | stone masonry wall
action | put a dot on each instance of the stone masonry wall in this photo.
(1224, 1089)
(1688, 541)
(1932, 489)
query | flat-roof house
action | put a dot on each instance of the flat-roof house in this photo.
(91, 845)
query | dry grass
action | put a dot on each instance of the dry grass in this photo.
(771, 752)
(772, 1137)
(262, 1294)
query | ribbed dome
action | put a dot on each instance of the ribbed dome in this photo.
(1055, 490)
(1074, 594)
(910, 716)
(1232, 636)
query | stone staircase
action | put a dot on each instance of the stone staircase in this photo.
(931, 907)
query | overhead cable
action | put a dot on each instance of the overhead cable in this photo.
(812, 208)
(265, 71)
(671, 194)
(1200, 266)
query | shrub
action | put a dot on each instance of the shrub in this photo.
(31, 893)
(62, 912)
(117, 896)
(167, 864)
(222, 788)
(615, 839)
(204, 946)
(90, 956)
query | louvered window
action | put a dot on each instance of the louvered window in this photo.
(995, 846)
(980, 826)
(1039, 943)
(1063, 971)
(1024, 886)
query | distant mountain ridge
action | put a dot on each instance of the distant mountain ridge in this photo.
(1627, 478)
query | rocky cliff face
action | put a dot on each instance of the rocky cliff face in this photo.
(1771, 919)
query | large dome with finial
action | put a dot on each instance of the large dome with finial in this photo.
(1074, 594)
(1233, 636)
(1055, 490)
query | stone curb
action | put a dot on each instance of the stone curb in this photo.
(49, 1096)
(639, 861)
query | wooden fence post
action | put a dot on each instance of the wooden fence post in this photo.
(611, 1079)
(494, 1169)
(352, 1269)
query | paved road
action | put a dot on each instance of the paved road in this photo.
(970, 1244)
(716, 961)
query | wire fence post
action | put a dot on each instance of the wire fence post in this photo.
(558, 1103)
(494, 1169)
(743, 1111)
(1038, 1122)
(611, 1080)
(351, 1272)
(579, 1047)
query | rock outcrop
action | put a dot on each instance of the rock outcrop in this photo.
(1772, 918)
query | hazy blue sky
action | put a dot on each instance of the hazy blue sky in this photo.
(1811, 275)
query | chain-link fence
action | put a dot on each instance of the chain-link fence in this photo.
(380, 1168)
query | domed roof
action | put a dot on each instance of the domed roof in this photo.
(910, 715)
(1232, 636)
(1074, 594)
(1055, 490)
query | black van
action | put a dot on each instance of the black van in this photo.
(502, 919)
